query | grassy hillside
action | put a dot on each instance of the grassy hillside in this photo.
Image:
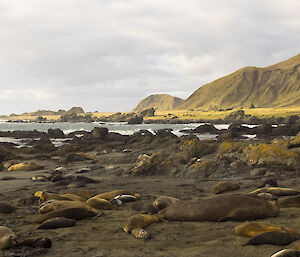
(161, 102)
(274, 86)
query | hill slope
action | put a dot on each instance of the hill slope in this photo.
(273, 86)
(161, 102)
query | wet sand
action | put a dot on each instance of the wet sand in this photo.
(103, 235)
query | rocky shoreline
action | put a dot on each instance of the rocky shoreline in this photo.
(151, 165)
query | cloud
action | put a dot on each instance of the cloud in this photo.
(107, 55)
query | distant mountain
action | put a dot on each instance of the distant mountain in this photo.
(161, 102)
(273, 86)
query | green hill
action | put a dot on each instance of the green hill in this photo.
(160, 102)
(273, 86)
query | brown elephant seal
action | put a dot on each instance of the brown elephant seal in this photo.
(112, 194)
(7, 237)
(6, 208)
(25, 166)
(293, 201)
(7, 164)
(46, 196)
(294, 245)
(139, 221)
(76, 213)
(272, 238)
(59, 205)
(278, 191)
(59, 222)
(164, 201)
(100, 204)
(225, 186)
(221, 208)
(252, 229)
(36, 242)
(81, 193)
(74, 197)
(287, 253)
(145, 208)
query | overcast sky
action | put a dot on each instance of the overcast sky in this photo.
(107, 55)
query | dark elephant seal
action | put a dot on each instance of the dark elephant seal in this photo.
(293, 201)
(41, 242)
(164, 201)
(221, 208)
(7, 237)
(59, 222)
(278, 191)
(6, 208)
(76, 213)
(272, 238)
(225, 186)
(287, 253)
(145, 208)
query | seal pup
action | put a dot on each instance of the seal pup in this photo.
(7, 237)
(272, 238)
(225, 186)
(278, 191)
(287, 253)
(59, 222)
(252, 229)
(6, 208)
(221, 208)
(164, 201)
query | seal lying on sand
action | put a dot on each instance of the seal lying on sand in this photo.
(287, 253)
(112, 194)
(76, 213)
(278, 191)
(293, 201)
(46, 196)
(221, 208)
(252, 229)
(7, 237)
(164, 201)
(273, 238)
(100, 204)
(59, 222)
(25, 166)
(59, 205)
(225, 186)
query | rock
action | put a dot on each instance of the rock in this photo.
(163, 133)
(258, 172)
(135, 120)
(99, 133)
(56, 133)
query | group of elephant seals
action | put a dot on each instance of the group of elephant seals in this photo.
(252, 229)
(6, 208)
(221, 208)
(287, 253)
(273, 238)
(7, 237)
(59, 222)
(225, 186)
(278, 191)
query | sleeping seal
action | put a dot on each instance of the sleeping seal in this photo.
(7, 237)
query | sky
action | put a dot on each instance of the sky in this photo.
(107, 55)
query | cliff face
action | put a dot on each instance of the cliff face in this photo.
(161, 102)
(273, 86)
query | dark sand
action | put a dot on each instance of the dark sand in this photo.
(103, 236)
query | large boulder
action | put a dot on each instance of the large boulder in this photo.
(135, 120)
(56, 133)
(99, 133)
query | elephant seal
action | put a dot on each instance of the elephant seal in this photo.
(294, 245)
(278, 191)
(6, 208)
(7, 237)
(76, 213)
(59, 205)
(41, 242)
(164, 201)
(221, 208)
(287, 253)
(225, 186)
(25, 166)
(59, 222)
(138, 222)
(112, 194)
(145, 208)
(74, 197)
(39, 178)
(7, 164)
(293, 201)
(100, 204)
(272, 238)
(267, 196)
(81, 193)
(252, 229)
(46, 196)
